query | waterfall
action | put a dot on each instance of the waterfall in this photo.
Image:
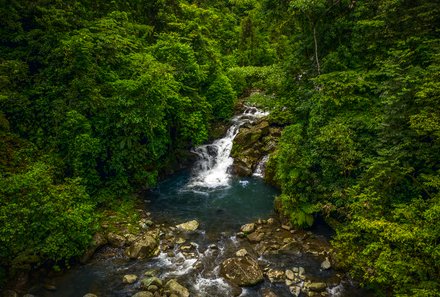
(261, 167)
(211, 170)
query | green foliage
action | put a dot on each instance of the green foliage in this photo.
(106, 95)
(221, 96)
(361, 139)
(43, 220)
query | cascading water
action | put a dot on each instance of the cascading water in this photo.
(212, 168)
(261, 167)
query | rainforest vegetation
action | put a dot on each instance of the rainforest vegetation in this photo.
(99, 99)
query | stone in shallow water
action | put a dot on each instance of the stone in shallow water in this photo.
(248, 228)
(180, 240)
(129, 278)
(290, 274)
(146, 282)
(175, 288)
(268, 293)
(241, 271)
(90, 295)
(275, 276)
(188, 226)
(317, 287)
(255, 237)
(142, 248)
(326, 264)
(241, 253)
(295, 290)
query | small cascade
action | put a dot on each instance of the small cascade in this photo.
(212, 167)
(261, 167)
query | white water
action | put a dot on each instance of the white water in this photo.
(212, 169)
(261, 167)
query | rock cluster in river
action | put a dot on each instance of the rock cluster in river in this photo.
(267, 237)
(152, 286)
(242, 268)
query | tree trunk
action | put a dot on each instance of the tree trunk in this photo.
(316, 49)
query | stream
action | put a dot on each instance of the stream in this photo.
(221, 203)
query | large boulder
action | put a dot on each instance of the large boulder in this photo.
(251, 144)
(116, 240)
(98, 241)
(188, 226)
(241, 271)
(144, 247)
(177, 289)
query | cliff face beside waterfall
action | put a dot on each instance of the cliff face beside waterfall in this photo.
(252, 144)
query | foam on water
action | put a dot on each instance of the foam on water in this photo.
(208, 287)
(261, 167)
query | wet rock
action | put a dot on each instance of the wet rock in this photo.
(286, 227)
(251, 144)
(142, 248)
(241, 235)
(236, 290)
(180, 240)
(275, 276)
(145, 223)
(248, 228)
(90, 295)
(241, 271)
(241, 253)
(143, 294)
(153, 288)
(290, 274)
(129, 278)
(98, 241)
(301, 271)
(255, 237)
(175, 288)
(150, 272)
(116, 240)
(316, 287)
(130, 238)
(146, 282)
(270, 221)
(295, 290)
(188, 226)
(326, 264)
(28, 295)
(242, 168)
(268, 293)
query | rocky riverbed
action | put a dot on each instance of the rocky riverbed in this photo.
(262, 258)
